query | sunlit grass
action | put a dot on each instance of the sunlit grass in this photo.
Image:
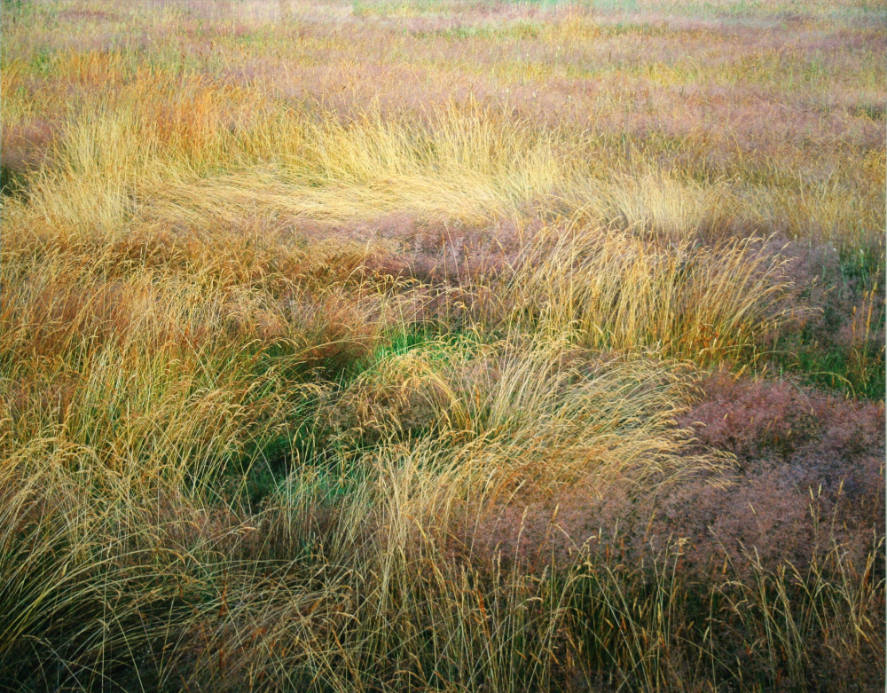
(369, 346)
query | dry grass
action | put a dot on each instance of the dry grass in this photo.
(396, 346)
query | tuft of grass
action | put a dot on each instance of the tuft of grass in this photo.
(709, 303)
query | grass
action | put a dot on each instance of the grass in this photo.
(442, 346)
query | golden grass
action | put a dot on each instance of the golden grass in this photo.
(709, 303)
(307, 309)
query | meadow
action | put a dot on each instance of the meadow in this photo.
(462, 345)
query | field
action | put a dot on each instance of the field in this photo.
(396, 345)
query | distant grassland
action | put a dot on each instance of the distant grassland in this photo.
(442, 345)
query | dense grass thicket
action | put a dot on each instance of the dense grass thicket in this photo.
(460, 346)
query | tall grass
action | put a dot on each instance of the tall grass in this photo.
(710, 303)
(362, 348)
